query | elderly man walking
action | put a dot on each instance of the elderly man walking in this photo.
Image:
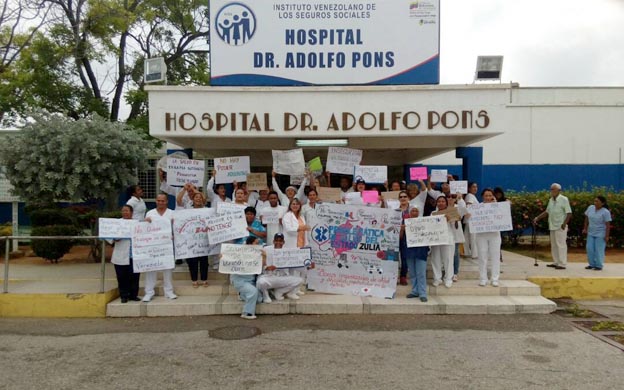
(559, 214)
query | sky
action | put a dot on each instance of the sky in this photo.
(544, 42)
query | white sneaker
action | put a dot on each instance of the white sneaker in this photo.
(279, 297)
(147, 298)
(292, 296)
(448, 284)
(171, 296)
(482, 283)
(301, 292)
(266, 298)
(495, 283)
(436, 283)
(248, 316)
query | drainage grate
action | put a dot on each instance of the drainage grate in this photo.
(235, 332)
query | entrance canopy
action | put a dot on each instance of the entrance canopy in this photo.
(393, 125)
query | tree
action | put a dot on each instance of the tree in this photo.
(56, 158)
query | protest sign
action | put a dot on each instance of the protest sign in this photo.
(329, 194)
(152, 246)
(115, 227)
(452, 212)
(288, 162)
(231, 169)
(418, 173)
(290, 258)
(439, 175)
(490, 217)
(370, 197)
(240, 259)
(353, 198)
(460, 186)
(190, 235)
(257, 182)
(371, 174)
(182, 171)
(343, 160)
(225, 228)
(270, 215)
(296, 180)
(231, 208)
(391, 195)
(356, 273)
(315, 166)
(427, 231)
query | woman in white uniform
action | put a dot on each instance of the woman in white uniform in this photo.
(471, 247)
(216, 194)
(127, 280)
(135, 195)
(442, 255)
(296, 234)
(489, 248)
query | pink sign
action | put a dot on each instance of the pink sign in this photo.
(370, 196)
(418, 173)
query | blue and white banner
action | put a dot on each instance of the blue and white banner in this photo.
(324, 42)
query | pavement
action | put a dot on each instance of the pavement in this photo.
(307, 352)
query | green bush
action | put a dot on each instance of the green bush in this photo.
(53, 250)
(527, 205)
(51, 217)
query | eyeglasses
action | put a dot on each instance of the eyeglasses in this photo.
(402, 196)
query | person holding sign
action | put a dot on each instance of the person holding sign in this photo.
(276, 279)
(471, 247)
(246, 287)
(417, 196)
(240, 197)
(136, 202)
(443, 255)
(272, 216)
(216, 194)
(489, 245)
(161, 211)
(184, 198)
(198, 262)
(404, 206)
(597, 228)
(291, 192)
(296, 233)
(127, 279)
(416, 259)
(254, 227)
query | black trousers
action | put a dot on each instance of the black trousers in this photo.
(127, 281)
(193, 264)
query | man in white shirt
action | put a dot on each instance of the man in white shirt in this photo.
(274, 207)
(276, 279)
(161, 211)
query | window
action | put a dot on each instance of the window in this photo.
(148, 180)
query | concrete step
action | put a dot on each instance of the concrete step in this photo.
(472, 273)
(315, 303)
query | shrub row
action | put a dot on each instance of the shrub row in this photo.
(527, 205)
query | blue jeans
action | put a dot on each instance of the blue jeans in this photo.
(596, 251)
(418, 275)
(246, 287)
(456, 260)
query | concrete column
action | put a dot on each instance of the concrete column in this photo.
(472, 163)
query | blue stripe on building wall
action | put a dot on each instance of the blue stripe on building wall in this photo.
(540, 177)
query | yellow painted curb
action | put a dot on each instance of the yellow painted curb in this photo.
(580, 288)
(56, 305)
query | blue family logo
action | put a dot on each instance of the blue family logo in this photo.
(235, 24)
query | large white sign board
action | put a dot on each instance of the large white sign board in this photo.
(291, 257)
(225, 228)
(371, 174)
(490, 217)
(289, 162)
(300, 42)
(190, 234)
(115, 227)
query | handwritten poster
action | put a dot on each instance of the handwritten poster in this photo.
(182, 171)
(356, 273)
(257, 181)
(460, 186)
(231, 169)
(490, 217)
(291, 257)
(343, 160)
(369, 197)
(329, 194)
(152, 246)
(371, 174)
(231, 208)
(190, 235)
(439, 175)
(418, 173)
(225, 228)
(427, 231)
(315, 166)
(115, 227)
(289, 162)
(270, 215)
(240, 259)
